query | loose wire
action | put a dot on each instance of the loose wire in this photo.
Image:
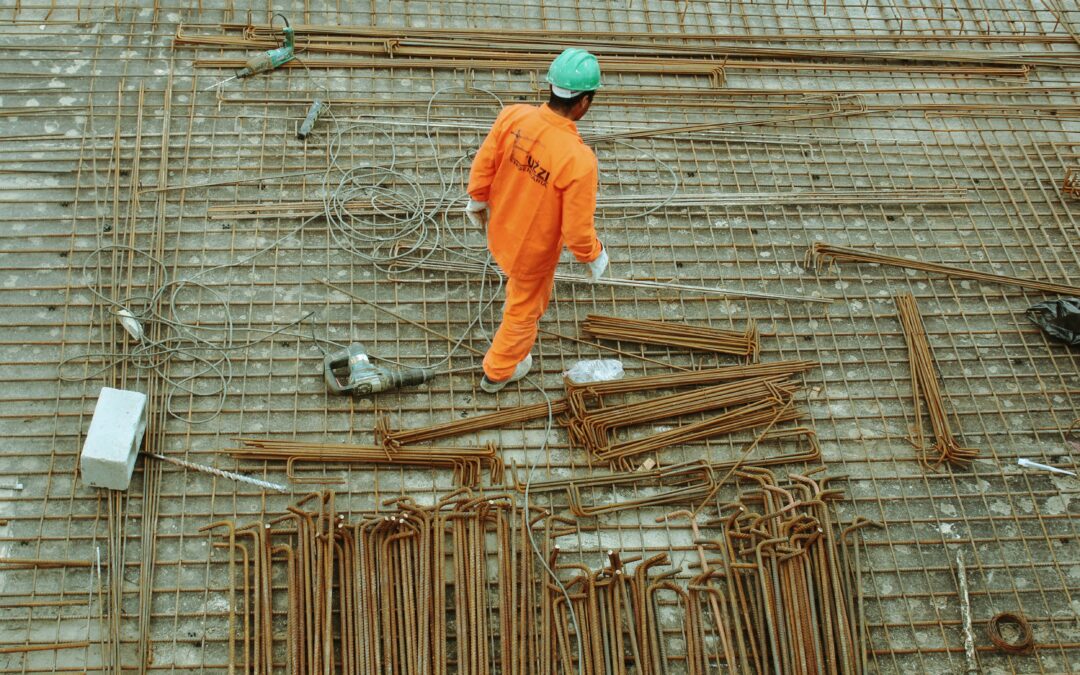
(528, 523)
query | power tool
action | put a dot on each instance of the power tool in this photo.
(267, 60)
(349, 372)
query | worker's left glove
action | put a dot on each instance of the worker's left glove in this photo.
(477, 213)
(599, 266)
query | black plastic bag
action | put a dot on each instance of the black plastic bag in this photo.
(1060, 319)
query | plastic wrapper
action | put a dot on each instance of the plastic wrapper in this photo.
(1060, 319)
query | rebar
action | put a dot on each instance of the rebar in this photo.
(827, 254)
(984, 192)
(674, 334)
(42, 647)
(593, 429)
(925, 389)
(374, 596)
(467, 463)
(787, 580)
(491, 270)
(495, 420)
(754, 413)
(441, 50)
(580, 396)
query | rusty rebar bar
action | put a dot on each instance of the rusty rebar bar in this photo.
(675, 334)
(926, 389)
(824, 254)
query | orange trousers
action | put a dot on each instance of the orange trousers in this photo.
(526, 302)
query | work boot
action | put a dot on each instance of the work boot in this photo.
(520, 371)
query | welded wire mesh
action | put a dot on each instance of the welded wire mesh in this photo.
(89, 90)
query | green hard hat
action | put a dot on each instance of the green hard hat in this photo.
(575, 71)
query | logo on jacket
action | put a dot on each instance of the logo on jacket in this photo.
(521, 158)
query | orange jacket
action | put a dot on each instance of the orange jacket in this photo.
(539, 180)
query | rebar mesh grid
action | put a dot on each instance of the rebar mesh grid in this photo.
(107, 123)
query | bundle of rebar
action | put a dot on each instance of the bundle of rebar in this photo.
(467, 463)
(440, 48)
(501, 418)
(674, 334)
(686, 484)
(776, 198)
(373, 39)
(621, 625)
(926, 390)
(750, 395)
(405, 592)
(778, 591)
(593, 430)
(688, 41)
(579, 397)
(475, 584)
(781, 584)
(251, 607)
(746, 397)
(825, 254)
(691, 483)
(484, 625)
(317, 558)
(766, 412)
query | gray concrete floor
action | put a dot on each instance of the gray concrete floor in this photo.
(99, 109)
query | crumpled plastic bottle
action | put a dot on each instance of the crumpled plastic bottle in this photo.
(595, 370)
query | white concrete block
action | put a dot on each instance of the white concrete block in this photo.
(114, 439)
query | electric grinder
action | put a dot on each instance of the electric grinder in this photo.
(350, 372)
(268, 60)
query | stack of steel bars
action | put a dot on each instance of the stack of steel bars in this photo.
(366, 47)
(409, 620)
(759, 395)
(768, 410)
(594, 431)
(406, 592)
(501, 418)
(619, 618)
(924, 384)
(579, 397)
(477, 584)
(691, 483)
(780, 584)
(674, 334)
(688, 483)
(467, 463)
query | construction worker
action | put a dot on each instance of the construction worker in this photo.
(533, 184)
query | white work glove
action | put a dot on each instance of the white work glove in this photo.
(598, 266)
(477, 213)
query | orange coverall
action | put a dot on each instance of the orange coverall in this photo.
(539, 180)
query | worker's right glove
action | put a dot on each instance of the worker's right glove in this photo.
(477, 213)
(598, 266)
